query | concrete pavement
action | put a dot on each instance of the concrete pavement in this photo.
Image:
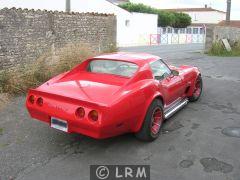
(191, 146)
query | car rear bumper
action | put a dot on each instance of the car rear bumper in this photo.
(108, 124)
(83, 126)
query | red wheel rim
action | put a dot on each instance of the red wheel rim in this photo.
(197, 90)
(156, 120)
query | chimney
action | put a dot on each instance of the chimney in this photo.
(68, 6)
(205, 5)
(228, 16)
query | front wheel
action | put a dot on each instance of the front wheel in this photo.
(197, 90)
(152, 123)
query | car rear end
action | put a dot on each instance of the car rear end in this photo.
(67, 114)
(89, 100)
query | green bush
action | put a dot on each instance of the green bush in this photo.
(182, 20)
(218, 49)
(141, 8)
(165, 18)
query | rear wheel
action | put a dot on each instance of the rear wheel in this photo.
(153, 121)
(197, 90)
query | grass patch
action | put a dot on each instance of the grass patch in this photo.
(1, 131)
(218, 49)
(54, 62)
(111, 48)
(3, 145)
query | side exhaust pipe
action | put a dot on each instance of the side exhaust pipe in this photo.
(176, 108)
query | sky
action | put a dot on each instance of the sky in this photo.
(161, 4)
(216, 4)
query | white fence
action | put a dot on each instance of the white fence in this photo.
(169, 35)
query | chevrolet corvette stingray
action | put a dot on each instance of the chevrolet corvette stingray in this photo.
(113, 94)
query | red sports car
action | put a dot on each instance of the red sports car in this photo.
(113, 94)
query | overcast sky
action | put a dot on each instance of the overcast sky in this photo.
(217, 4)
(161, 4)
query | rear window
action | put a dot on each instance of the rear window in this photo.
(119, 68)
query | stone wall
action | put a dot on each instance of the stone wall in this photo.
(26, 34)
(230, 33)
(209, 37)
(215, 33)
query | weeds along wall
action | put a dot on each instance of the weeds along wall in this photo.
(216, 33)
(26, 34)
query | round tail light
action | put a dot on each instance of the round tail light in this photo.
(93, 115)
(31, 99)
(40, 101)
(80, 112)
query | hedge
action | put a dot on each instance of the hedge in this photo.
(165, 18)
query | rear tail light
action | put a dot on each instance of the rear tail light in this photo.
(40, 101)
(31, 99)
(93, 115)
(80, 112)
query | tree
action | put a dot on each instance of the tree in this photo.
(182, 20)
(165, 18)
(131, 7)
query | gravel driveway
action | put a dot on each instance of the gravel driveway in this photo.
(192, 145)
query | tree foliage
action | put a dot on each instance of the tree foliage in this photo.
(165, 18)
(182, 20)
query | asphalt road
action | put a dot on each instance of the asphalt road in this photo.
(191, 146)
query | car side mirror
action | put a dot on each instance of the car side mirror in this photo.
(175, 73)
(158, 78)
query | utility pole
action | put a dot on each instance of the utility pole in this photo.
(68, 6)
(228, 16)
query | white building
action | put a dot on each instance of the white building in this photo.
(132, 28)
(196, 33)
(206, 15)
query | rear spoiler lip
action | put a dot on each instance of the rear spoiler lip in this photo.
(67, 99)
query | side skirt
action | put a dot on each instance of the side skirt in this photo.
(175, 107)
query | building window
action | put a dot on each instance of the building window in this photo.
(189, 30)
(127, 23)
(195, 30)
(195, 17)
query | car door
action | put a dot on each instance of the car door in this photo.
(171, 86)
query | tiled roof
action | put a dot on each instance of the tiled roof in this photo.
(118, 1)
(193, 9)
(232, 23)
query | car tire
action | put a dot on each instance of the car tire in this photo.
(152, 123)
(198, 86)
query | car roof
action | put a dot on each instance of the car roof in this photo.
(137, 58)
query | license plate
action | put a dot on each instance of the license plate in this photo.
(59, 124)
